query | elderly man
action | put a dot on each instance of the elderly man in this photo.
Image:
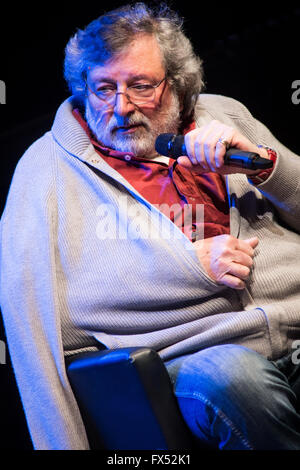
(97, 251)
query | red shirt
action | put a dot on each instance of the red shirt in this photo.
(170, 185)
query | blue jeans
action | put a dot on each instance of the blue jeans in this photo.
(233, 398)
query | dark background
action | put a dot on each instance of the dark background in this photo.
(250, 53)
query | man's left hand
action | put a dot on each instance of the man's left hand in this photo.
(206, 151)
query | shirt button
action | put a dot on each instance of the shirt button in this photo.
(127, 158)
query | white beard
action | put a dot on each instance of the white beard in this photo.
(141, 142)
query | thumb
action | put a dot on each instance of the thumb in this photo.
(185, 161)
(253, 242)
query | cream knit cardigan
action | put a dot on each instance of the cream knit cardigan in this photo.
(80, 267)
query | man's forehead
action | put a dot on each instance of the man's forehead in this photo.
(141, 59)
(98, 74)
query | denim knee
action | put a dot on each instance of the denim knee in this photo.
(225, 391)
(229, 370)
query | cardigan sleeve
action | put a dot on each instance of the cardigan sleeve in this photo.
(282, 188)
(31, 310)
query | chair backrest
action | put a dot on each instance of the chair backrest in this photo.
(126, 400)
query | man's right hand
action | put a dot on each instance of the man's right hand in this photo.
(226, 259)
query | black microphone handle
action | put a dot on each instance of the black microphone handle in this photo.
(173, 146)
(249, 160)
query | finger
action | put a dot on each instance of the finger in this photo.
(239, 270)
(186, 162)
(209, 149)
(221, 147)
(233, 282)
(231, 246)
(196, 147)
(220, 153)
(231, 267)
(200, 145)
(246, 246)
(189, 141)
(211, 145)
(252, 241)
(242, 258)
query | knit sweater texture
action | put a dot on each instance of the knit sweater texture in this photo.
(87, 262)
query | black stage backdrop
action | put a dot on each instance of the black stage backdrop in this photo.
(250, 53)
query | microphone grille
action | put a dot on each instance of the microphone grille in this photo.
(170, 145)
(162, 144)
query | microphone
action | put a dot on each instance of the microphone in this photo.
(173, 146)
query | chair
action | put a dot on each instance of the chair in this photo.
(126, 400)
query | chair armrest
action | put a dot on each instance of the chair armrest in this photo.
(126, 400)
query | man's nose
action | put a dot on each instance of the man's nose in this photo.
(123, 105)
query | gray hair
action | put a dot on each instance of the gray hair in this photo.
(112, 32)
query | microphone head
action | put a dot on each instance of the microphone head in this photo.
(170, 145)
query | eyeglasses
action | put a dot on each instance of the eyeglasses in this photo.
(138, 94)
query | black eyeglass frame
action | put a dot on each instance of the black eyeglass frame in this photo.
(154, 87)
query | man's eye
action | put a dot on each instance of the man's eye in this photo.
(142, 86)
(105, 89)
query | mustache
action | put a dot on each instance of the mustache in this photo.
(116, 124)
(136, 119)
